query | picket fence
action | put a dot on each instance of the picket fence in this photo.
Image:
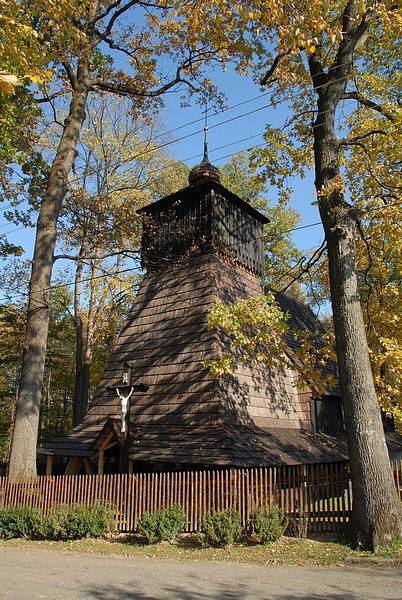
(319, 496)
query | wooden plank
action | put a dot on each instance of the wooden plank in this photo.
(140, 496)
(208, 491)
(163, 490)
(79, 487)
(49, 464)
(247, 497)
(313, 496)
(196, 501)
(204, 494)
(334, 496)
(186, 495)
(241, 492)
(316, 491)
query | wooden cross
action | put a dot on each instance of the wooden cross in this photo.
(124, 391)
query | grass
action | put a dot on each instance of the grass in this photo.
(287, 551)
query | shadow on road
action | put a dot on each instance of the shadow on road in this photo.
(177, 592)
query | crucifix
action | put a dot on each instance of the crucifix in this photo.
(124, 391)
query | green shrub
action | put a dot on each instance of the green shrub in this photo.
(221, 528)
(74, 523)
(163, 525)
(64, 523)
(19, 522)
(267, 524)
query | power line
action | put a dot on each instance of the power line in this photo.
(262, 95)
(3, 208)
(112, 274)
(14, 230)
(224, 122)
(303, 227)
(174, 166)
(274, 104)
(219, 158)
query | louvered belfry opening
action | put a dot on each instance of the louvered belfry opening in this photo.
(200, 246)
(204, 217)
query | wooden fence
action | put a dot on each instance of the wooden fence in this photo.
(320, 495)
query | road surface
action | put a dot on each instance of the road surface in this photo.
(47, 575)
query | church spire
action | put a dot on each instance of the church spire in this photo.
(205, 171)
(205, 158)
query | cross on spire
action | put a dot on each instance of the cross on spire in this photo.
(204, 171)
(205, 158)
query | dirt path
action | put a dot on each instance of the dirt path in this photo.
(37, 574)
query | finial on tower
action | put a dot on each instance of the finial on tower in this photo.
(205, 159)
(204, 171)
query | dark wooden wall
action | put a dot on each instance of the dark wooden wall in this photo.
(203, 218)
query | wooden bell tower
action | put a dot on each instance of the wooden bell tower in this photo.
(200, 246)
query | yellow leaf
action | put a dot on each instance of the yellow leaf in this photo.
(8, 82)
(35, 78)
(311, 49)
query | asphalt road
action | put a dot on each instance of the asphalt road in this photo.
(37, 574)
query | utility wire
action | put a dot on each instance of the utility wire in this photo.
(174, 166)
(165, 144)
(112, 274)
(14, 230)
(225, 121)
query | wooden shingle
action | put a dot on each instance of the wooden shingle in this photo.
(254, 416)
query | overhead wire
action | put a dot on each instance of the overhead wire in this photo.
(174, 166)
(274, 104)
(129, 269)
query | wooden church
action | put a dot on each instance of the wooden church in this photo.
(158, 407)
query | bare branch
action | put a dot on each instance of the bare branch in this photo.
(273, 67)
(126, 90)
(106, 12)
(353, 141)
(48, 97)
(70, 74)
(369, 103)
(108, 29)
(314, 259)
(127, 253)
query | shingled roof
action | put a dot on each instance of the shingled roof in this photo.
(200, 246)
(250, 417)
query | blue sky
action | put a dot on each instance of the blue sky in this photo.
(237, 89)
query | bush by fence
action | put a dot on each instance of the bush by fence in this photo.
(319, 494)
(267, 524)
(165, 524)
(62, 523)
(221, 528)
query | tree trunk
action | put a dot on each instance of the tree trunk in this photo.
(78, 408)
(376, 508)
(23, 449)
(84, 344)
